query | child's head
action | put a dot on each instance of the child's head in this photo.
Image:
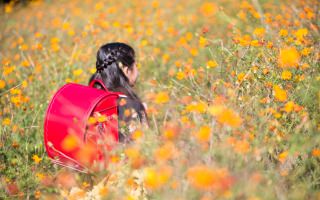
(116, 67)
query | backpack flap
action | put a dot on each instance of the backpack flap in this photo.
(66, 124)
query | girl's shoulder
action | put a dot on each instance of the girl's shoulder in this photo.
(131, 115)
(129, 109)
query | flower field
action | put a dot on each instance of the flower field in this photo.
(232, 88)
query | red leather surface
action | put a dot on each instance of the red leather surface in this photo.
(68, 113)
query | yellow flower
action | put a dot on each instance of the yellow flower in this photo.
(259, 32)
(230, 118)
(288, 57)
(283, 156)
(36, 159)
(289, 106)
(40, 176)
(225, 115)
(8, 8)
(283, 32)
(255, 43)
(155, 178)
(8, 70)
(256, 14)
(189, 36)
(77, 72)
(145, 43)
(101, 118)
(55, 47)
(242, 15)
(165, 152)
(286, 75)
(202, 42)
(301, 33)
(269, 44)
(54, 40)
(137, 134)
(194, 51)
(24, 47)
(162, 97)
(212, 64)
(15, 91)
(37, 194)
(205, 178)
(24, 84)
(305, 66)
(2, 84)
(241, 76)
(242, 147)
(245, 40)
(203, 135)
(216, 110)
(92, 120)
(6, 122)
(92, 70)
(70, 142)
(279, 94)
(306, 51)
(98, 6)
(208, 9)
(180, 75)
(201, 177)
(199, 107)
(65, 25)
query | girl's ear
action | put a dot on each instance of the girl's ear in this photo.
(125, 70)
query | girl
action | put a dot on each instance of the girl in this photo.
(117, 70)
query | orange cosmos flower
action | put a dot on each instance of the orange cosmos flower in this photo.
(226, 116)
(212, 64)
(279, 94)
(6, 122)
(316, 153)
(283, 156)
(259, 32)
(204, 178)
(135, 157)
(283, 32)
(301, 33)
(155, 178)
(203, 135)
(288, 57)
(289, 106)
(242, 147)
(137, 134)
(286, 75)
(70, 142)
(171, 131)
(36, 159)
(162, 97)
(199, 107)
(165, 152)
(208, 9)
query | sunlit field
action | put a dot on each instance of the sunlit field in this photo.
(232, 88)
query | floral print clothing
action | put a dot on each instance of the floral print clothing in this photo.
(131, 115)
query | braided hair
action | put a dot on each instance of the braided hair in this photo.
(111, 58)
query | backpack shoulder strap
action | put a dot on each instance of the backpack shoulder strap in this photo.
(105, 88)
(98, 81)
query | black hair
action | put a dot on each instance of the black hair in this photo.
(110, 59)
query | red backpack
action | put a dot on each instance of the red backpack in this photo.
(81, 125)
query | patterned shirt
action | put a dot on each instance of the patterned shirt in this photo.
(131, 115)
